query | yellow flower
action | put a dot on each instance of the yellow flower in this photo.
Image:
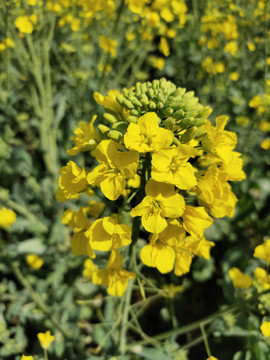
(265, 328)
(89, 268)
(239, 279)
(159, 63)
(71, 182)
(95, 208)
(24, 357)
(265, 144)
(80, 223)
(75, 25)
(251, 46)
(164, 47)
(172, 249)
(221, 143)
(115, 277)
(263, 251)
(7, 217)
(234, 76)
(9, 42)
(146, 135)
(108, 45)
(231, 47)
(171, 166)
(45, 339)
(262, 277)
(34, 261)
(215, 193)
(166, 14)
(109, 233)
(32, 2)
(86, 137)
(24, 24)
(115, 168)
(212, 358)
(161, 201)
(264, 125)
(218, 68)
(171, 33)
(136, 6)
(212, 44)
(242, 120)
(130, 36)
(255, 102)
(33, 18)
(110, 102)
(2, 47)
(196, 220)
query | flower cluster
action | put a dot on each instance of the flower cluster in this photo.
(260, 281)
(162, 161)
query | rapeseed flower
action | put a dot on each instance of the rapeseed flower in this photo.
(115, 168)
(7, 217)
(89, 268)
(161, 202)
(45, 339)
(24, 24)
(34, 261)
(109, 233)
(240, 280)
(171, 166)
(146, 135)
(265, 328)
(263, 251)
(71, 182)
(108, 45)
(86, 137)
(157, 150)
(114, 276)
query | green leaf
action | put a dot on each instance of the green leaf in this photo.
(31, 246)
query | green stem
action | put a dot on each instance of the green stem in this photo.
(114, 32)
(36, 298)
(186, 328)
(206, 344)
(45, 354)
(124, 324)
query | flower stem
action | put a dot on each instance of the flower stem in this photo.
(206, 344)
(36, 298)
(124, 323)
(45, 354)
(187, 328)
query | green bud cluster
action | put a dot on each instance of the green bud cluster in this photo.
(178, 110)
